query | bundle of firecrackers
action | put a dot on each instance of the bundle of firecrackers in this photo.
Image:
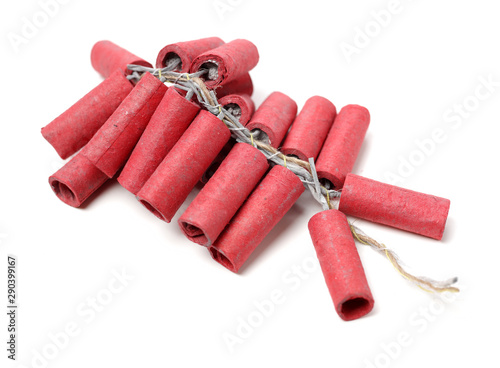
(159, 139)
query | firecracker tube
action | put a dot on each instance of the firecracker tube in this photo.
(340, 263)
(342, 145)
(273, 118)
(106, 57)
(110, 147)
(74, 128)
(265, 207)
(77, 180)
(170, 120)
(241, 86)
(310, 128)
(240, 106)
(183, 53)
(182, 168)
(227, 62)
(217, 161)
(223, 195)
(394, 206)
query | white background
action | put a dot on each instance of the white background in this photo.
(428, 58)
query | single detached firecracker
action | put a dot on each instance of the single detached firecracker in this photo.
(240, 106)
(310, 128)
(183, 53)
(227, 62)
(168, 123)
(340, 263)
(72, 130)
(182, 168)
(401, 208)
(77, 180)
(241, 86)
(110, 147)
(106, 57)
(342, 145)
(273, 118)
(265, 207)
(225, 192)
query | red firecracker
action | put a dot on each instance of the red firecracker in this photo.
(268, 203)
(340, 263)
(401, 208)
(168, 123)
(111, 146)
(72, 130)
(222, 196)
(341, 148)
(106, 57)
(183, 167)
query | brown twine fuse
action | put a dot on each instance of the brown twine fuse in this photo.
(193, 84)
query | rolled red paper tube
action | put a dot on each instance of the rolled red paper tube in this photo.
(77, 180)
(185, 52)
(340, 263)
(106, 57)
(72, 130)
(217, 161)
(227, 62)
(268, 203)
(310, 128)
(389, 205)
(342, 145)
(110, 147)
(168, 123)
(182, 168)
(241, 86)
(240, 106)
(273, 118)
(225, 192)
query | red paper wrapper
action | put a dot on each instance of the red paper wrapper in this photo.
(273, 118)
(173, 180)
(227, 62)
(106, 57)
(110, 147)
(241, 86)
(268, 203)
(310, 128)
(77, 180)
(168, 123)
(341, 148)
(240, 106)
(340, 263)
(401, 208)
(186, 52)
(72, 130)
(218, 160)
(218, 201)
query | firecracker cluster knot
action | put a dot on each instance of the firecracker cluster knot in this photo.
(161, 130)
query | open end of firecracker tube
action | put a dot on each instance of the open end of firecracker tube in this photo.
(294, 153)
(234, 110)
(355, 308)
(194, 233)
(222, 259)
(152, 209)
(64, 193)
(260, 135)
(172, 61)
(327, 183)
(213, 70)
